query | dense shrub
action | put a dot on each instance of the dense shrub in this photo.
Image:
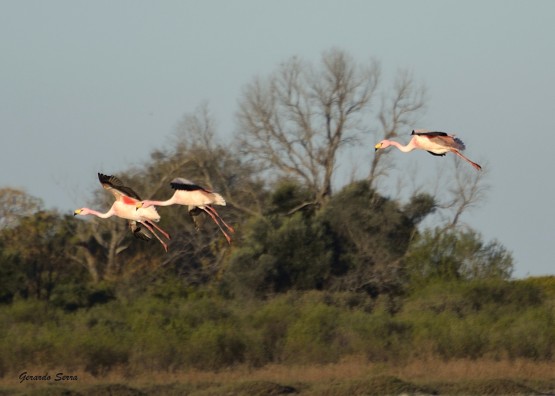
(482, 318)
(353, 243)
(494, 319)
(102, 350)
(314, 336)
(279, 255)
(213, 346)
(515, 295)
(529, 335)
(270, 325)
(455, 254)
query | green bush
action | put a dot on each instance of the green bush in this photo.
(459, 338)
(379, 336)
(528, 335)
(156, 349)
(499, 293)
(313, 337)
(30, 311)
(545, 283)
(485, 318)
(454, 254)
(270, 323)
(279, 254)
(465, 297)
(213, 346)
(103, 348)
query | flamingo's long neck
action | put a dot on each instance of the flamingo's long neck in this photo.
(168, 202)
(405, 149)
(109, 213)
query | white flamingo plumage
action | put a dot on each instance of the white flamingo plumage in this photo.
(125, 207)
(436, 143)
(195, 197)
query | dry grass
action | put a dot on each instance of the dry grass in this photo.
(350, 369)
(464, 369)
(432, 370)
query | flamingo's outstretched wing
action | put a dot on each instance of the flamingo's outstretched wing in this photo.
(441, 138)
(116, 187)
(180, 183)
(425, 132)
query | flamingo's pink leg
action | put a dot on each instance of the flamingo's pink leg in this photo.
(161, 230)
(156, 235)
(220, 218)
(474, 164)
(218, 224)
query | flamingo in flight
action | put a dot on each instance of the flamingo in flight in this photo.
(196, 198)
(125, 207)
(435, 143)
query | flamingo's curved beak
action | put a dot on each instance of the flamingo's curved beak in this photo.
(76, 212)
(377, 147)
(138, 205)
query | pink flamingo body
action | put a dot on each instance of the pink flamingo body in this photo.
(125, 207)
(195, 197)
(436, 143)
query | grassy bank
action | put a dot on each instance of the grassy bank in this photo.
(441, 338)
(353, 375)
(202, 330)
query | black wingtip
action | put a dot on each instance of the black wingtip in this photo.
(103, 178)
(186, 186)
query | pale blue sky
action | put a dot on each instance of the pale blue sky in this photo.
(89, 86)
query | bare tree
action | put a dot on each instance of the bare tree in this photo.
(15, 204)
(466, 189)
(296, 121)
(196, 156)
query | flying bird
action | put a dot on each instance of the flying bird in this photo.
(196, 198)
(435, 143)
(137, 230)
(125, 207)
